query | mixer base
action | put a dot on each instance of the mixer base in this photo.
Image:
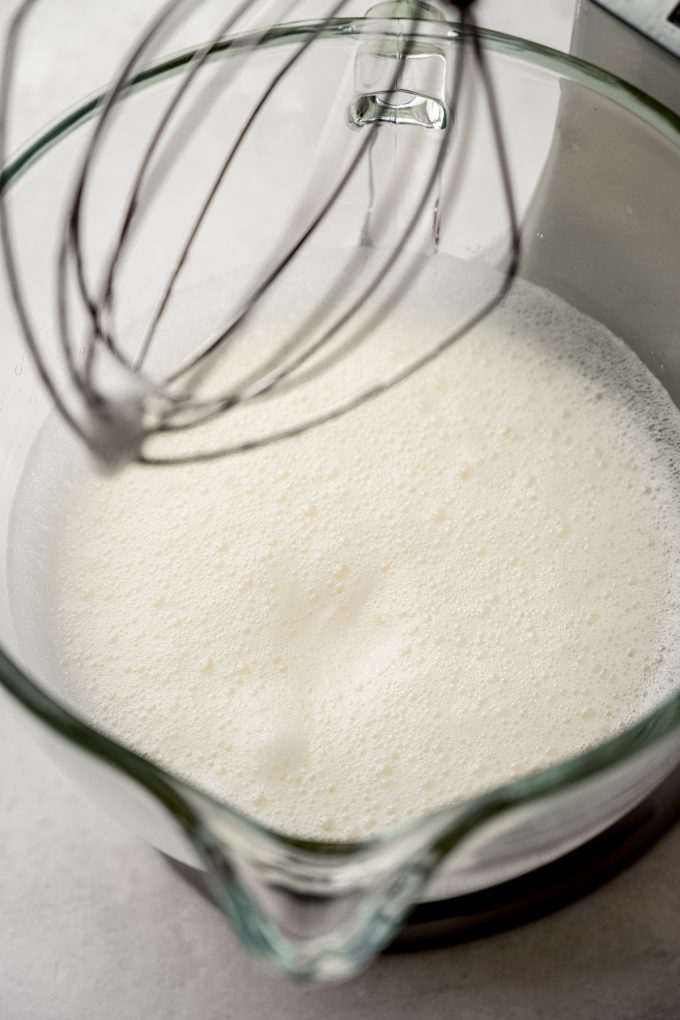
(534, 894)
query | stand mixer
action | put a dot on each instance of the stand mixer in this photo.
(320, 912)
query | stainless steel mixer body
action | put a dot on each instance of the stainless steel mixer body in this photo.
(638, 40)
(576, 248)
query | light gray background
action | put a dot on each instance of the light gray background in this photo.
(94, 925)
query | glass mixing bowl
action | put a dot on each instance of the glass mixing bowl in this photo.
(596, 166)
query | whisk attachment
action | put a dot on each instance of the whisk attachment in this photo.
(407, 77)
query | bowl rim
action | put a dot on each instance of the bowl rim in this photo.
(178, 795)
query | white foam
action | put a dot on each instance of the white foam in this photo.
(470, 578)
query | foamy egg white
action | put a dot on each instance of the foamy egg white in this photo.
(469, 578)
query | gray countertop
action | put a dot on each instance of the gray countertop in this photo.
(94, 924)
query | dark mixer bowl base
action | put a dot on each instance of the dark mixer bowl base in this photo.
(530, 896)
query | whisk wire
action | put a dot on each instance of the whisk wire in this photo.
(358, 399)
(217, 183)
(15, 283)
(269, 379)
